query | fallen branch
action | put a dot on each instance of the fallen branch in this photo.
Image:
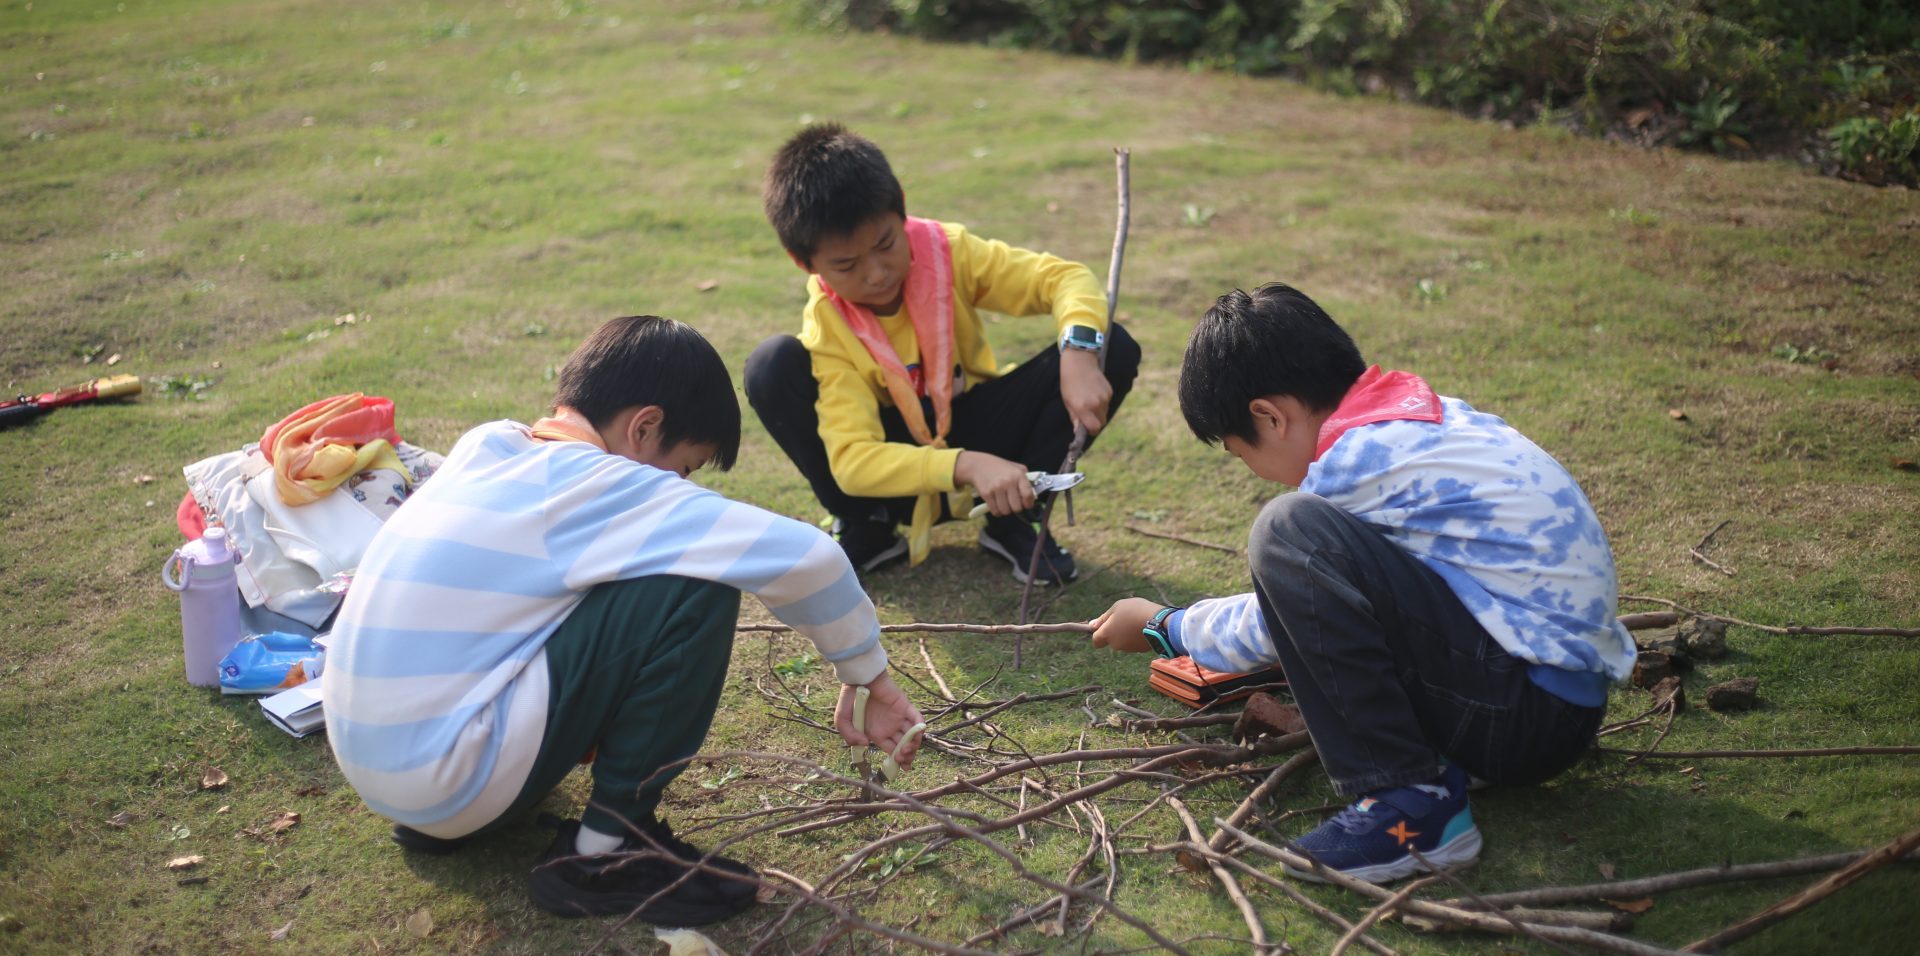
(1266, 788)
(1802, 752)
(1813, 894)
(1645, 620)
(1179, 723)
(1286, 889)
(1239, 897)
(1064, 627)
(1165, 536)
(1386, 908)
(1699, 551)
(1774, 629)
(1480, 921)
(1645, 885)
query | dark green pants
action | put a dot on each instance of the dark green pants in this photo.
(636, 672)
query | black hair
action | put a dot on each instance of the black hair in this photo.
(827, 181)
(647, 360)
(1273, 342)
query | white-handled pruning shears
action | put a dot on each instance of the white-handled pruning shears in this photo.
(1043, 483)
(857, 753)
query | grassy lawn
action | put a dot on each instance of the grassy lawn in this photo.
(202, 188)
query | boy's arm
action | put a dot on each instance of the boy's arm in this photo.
(663, 524)
(1016, 281)
(1223, 634)
(863, 461)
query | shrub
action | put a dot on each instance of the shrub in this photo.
(1732, 70)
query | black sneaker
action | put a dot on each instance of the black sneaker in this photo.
(870, 545)
(1012, 537)
(418, 842)
(568, 884)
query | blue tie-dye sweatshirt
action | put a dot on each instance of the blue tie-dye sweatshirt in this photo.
(1494, 515)
(436, 680)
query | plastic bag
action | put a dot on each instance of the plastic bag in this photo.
(270, 663)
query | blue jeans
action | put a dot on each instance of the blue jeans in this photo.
(1391, 672)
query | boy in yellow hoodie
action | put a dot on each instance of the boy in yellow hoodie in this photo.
(891, 397)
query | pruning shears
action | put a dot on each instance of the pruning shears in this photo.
(1043, 483)
(857, 753)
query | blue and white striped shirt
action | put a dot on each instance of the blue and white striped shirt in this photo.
(436, 679)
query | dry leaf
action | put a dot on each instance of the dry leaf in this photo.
(1606, 871)
(686, 942)
(185, 862)
(120, 820)
(281, 933)
(214, 779)
(310, 792)
(284, 820)
(143, 480)
(1905, 464)
(113, 359)
(347, 319)
(1190, 862)
(1049, 928)
(708, 285)
(1676, 414)
(1631, 906)
(765, 894)
(224, 808)
(420, 924)
(1053, 207)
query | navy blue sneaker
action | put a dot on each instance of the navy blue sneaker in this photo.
(1371, 840)
(870, 545)
(1012, 537)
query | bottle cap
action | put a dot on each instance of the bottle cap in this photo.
(215, 540)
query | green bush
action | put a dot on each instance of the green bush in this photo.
(1728, 72)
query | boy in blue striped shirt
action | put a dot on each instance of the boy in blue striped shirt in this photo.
(1438, 590)
(561, 591)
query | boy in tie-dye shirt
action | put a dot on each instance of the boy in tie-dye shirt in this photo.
(1438, 591)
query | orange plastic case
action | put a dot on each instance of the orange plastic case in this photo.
(1195, 686)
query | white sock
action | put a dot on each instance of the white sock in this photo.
(592, 842)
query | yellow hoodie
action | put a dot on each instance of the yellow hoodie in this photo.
(987, 274)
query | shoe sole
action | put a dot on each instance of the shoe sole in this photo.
(1459, 850)
(555, 895)
(989, 545)
(416, 842)
(894, 553)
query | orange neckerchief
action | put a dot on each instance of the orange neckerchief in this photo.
(567, 424)
(929, 303)
(323, 444)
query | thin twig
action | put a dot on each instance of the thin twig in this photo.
(1480, 921)
(1286, 889)
(1231, 885)
(1166, 536)
(1644, 885)
(1266, 788)
(1699, 551)
(1512, 920)
(1813, 894)
(1386, 908)
(1773, 629)
(1802, 752)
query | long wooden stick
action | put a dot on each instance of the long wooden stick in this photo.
(1064, 627)
(1773, 629)
(1801, 752)
(1452, 914)
(1121, 162)
(1641, 886)
(1386, 908)
(1164, 536)
(1813, 894)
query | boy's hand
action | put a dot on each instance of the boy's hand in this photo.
(889, 716)
(1085, 389)
(1002, 484)
(1120, 627)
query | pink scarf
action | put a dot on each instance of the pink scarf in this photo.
(1378, 396)
(929, 303)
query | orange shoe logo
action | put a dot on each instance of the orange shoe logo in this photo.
(1401, 833)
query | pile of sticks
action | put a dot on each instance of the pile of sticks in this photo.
(1105, 794)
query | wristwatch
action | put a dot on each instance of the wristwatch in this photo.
(1085, 338)
(1156, 632)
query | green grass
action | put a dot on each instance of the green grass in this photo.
(482, 184)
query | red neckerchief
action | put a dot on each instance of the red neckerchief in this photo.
(1378, 396)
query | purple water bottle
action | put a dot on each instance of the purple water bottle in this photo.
(203, 572)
